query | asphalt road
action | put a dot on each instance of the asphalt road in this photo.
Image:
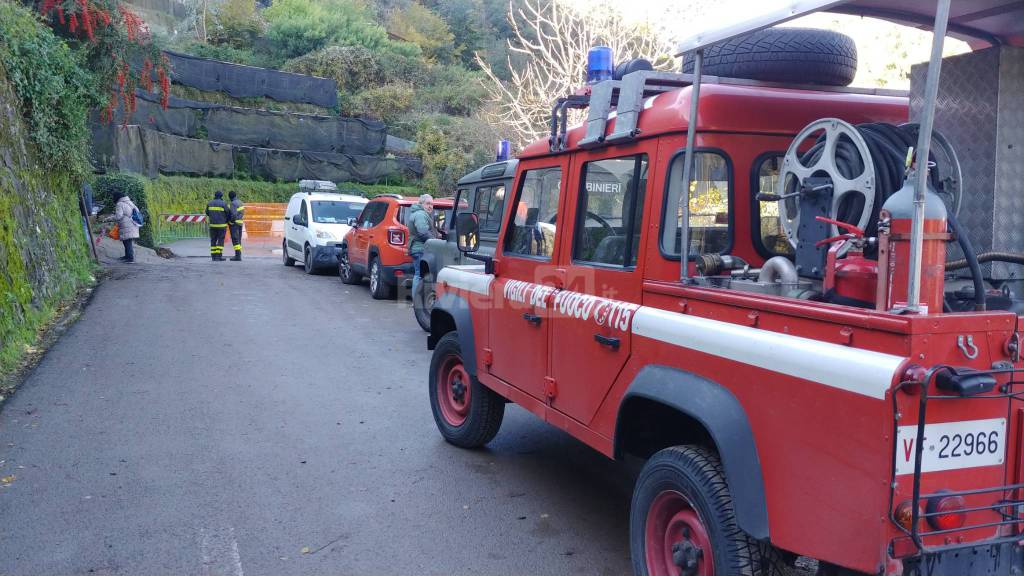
(244, 418)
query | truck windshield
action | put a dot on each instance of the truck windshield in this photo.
(335, 212)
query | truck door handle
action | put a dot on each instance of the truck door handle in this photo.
(531, 318)
(609, 341)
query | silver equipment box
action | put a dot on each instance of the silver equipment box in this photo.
(980, 110)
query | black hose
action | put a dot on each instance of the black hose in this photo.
(1008, 257)
(971, 259)
(887, 144)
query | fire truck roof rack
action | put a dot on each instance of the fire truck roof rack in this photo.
(627, 98)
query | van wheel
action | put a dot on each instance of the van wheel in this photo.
(345, 271)
(379, 289)
(288, 260)
(467, 413)
(423, 301)
(682, 521)
(307, 260)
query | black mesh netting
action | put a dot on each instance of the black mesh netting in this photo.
(149, 152)
(243, 81)
(261, 128)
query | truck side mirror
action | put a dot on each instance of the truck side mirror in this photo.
(351, 221)
(297, 220)
(467, 228)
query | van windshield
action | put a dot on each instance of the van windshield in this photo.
(335, 212)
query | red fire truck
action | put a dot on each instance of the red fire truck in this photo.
(806, 347)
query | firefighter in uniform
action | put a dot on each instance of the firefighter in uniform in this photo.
(217, 215)
(236, 217)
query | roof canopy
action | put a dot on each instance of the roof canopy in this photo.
(980, 22)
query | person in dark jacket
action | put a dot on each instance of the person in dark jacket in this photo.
(421, 228)
(235, 220)
(217, 215)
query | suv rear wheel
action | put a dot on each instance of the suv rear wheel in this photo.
(423, 301)
(379, 289)
(288, 260)
(345, 271)
(682, 520)
(467, 413)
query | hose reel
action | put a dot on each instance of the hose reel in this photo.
(862, 166)
(839, 159)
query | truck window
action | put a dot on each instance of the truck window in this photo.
(609, 212)
(769, 232)
(489, 203)
(710, 216)
(532, 230)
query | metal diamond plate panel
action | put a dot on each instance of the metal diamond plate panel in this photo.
(1009, 154)
(978, 92)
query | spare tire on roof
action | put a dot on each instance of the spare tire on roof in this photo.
(792, 55)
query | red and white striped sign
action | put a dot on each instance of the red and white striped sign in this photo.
(185, 217)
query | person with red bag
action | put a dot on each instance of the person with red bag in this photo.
(129, 220)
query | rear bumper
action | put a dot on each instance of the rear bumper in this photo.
(397, 275)
(1005, 559)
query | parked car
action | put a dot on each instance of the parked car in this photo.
(482, 192)
(316, 221)
(376, 244)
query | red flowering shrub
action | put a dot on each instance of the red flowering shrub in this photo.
(115, 41)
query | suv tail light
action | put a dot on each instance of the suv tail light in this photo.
(947, 512)
(396, 236)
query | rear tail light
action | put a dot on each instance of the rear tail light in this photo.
(396, 236)
(947, 512)
(912, 378)
(905, 515)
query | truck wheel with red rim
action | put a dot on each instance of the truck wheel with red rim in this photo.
(682, 521)
(467, 413)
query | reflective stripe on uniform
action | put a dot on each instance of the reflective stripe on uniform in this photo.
(218, 225)
(217, 208)
(237, 247)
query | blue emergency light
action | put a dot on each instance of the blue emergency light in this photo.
(599, 64)
(504, 151)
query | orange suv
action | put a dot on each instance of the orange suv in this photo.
(376, 246)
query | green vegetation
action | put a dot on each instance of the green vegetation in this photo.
(408, 63)
(43, 253)
(297, 27)
(184, 195)
(190, 93)
(55, 89)
(55, 65)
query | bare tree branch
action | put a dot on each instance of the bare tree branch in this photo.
(551, 38)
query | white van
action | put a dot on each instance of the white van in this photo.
(316, 222)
